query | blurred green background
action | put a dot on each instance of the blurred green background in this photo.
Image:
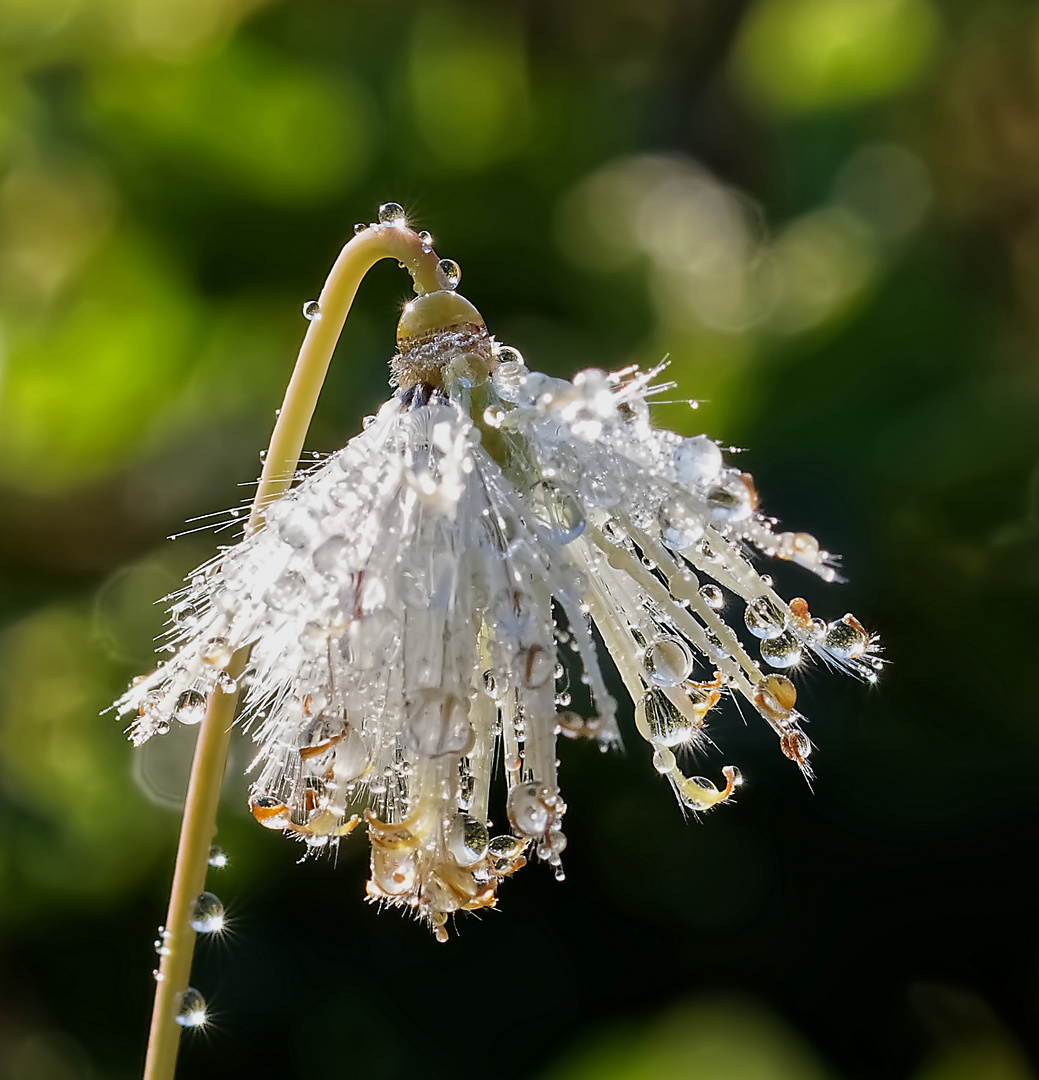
(827, 213)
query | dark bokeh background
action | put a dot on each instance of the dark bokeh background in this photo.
(827, 213)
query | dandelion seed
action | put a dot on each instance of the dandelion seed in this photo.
(408, 602)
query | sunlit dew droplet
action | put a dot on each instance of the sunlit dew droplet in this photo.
(217, 857)
(712, 596)
(392, 213)
(217, 652)
(312, 311)
(668, 661)
(763, 618)
(506, 354)
(190, 707)
(467, 840)
(285, 591)
(782, 651)
(359, 228)
(207, 914)
(680, 525)
(697, 460)
(449, 274)
(508, 380)
(667, 725)
(191, 1012)
(845, 640)
(490, 684)
(562, 512)
(427, 240)
(527, 810)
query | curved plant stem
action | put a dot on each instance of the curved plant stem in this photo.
(207, 770)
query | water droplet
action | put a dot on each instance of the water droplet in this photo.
(351, 757)
(333, 557)
(217, 652)
(713, 597)
(561, 511)
(731, 499)
(217, 857)
(392, 213)
(506, 354)
(782, 651)
(536, 665)
(846, 639)
(225, 684)
(667, 724)
(191, 1012)
(680, 525)
(190, 707)
(527, 809)
(764, 618)
(509, 379)
(697, 460)
(506, 847)
(493, 416)
(284, 594)
(775, 696)
(449, 274)
(359, 228)
(467, 840)
(184, 615)
(427, 241)
(490, 684)
(312, 311)
(668, 661)
(207, 914)
(437, 724)
(270, 812)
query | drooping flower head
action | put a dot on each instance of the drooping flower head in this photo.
(424, 607)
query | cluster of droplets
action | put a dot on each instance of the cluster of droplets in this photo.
(205, 917)
(414, 607)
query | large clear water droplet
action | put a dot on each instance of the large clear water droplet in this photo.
(527, 809)
(392, 213)
(449, 274)
(191, 1012)
(467, 840)
(763, 618)
(190, 707)
(668, 661)
(845, 640)
(712, 596)
(697, 460)
(284, 593)
(506, 354)
(312, 311)
(783, 651)
(437, 724)
(509, 379)
(680, 524)
(668, 725)
(561, 511)
(207, 914)
(217, 652)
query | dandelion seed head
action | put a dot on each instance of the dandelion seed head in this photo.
(410, 604)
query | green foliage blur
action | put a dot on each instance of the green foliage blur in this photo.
(826, 212)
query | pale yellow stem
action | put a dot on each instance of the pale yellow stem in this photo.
(207, 770)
